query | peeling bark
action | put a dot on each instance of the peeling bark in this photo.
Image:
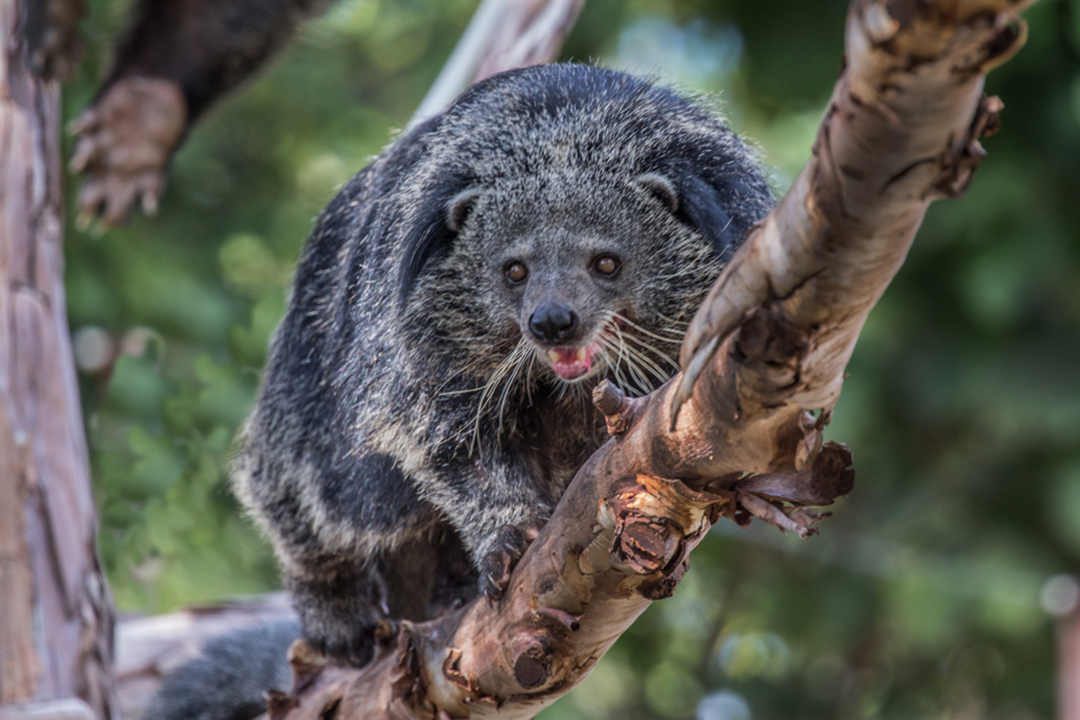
(55, 610)
(735, 435)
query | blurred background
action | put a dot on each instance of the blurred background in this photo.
(930, 594)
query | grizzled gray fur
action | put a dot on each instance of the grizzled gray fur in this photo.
(426, 400)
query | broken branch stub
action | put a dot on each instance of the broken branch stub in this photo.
(736, 435)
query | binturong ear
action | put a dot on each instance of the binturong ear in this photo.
(433, 224)
(459, 207)
(702, 208)
(696, 203)
(662, 188)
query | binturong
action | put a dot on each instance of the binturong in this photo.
(426, 400)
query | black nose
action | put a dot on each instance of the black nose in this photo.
(554, 321)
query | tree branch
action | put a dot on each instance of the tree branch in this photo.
(734, 435)
(502, 35)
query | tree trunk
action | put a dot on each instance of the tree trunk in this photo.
(1068, 670)
(734, 435)
(56, 617)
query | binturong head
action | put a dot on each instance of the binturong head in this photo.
(582, 216)
(583, 268)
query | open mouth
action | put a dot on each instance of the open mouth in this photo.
(572, 363)
(578, 363)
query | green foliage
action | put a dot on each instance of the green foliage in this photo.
(919, 598)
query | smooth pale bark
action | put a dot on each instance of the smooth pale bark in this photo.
(502, 35)
(56, 617)
(766, 351)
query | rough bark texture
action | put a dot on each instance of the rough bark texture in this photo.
(55, 612)
(734, 435)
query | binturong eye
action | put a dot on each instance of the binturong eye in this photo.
(516, 272)
(605, 266)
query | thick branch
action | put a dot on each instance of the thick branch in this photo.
(769, 345)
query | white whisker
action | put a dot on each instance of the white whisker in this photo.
(528, 377)
(505, 371)
(645, 360)
(520, 351)
(639, 378)
(651, 348)
(650, 333)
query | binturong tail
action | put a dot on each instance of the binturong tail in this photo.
(227, 681)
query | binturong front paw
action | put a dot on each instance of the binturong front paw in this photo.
(123, 144)
(350, 642)
(497, 565)
(342, 618)
(356, 650)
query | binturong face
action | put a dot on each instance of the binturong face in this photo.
(563, 224)
(583, 274)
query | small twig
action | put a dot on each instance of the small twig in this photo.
(571, 622)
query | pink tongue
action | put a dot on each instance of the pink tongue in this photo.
(570, 363)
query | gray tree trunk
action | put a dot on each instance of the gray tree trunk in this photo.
(56, 616)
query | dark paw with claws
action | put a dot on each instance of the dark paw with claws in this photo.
(351, 641)
(497, 566)
(123, 146)
(343, 617)
(356, 650)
